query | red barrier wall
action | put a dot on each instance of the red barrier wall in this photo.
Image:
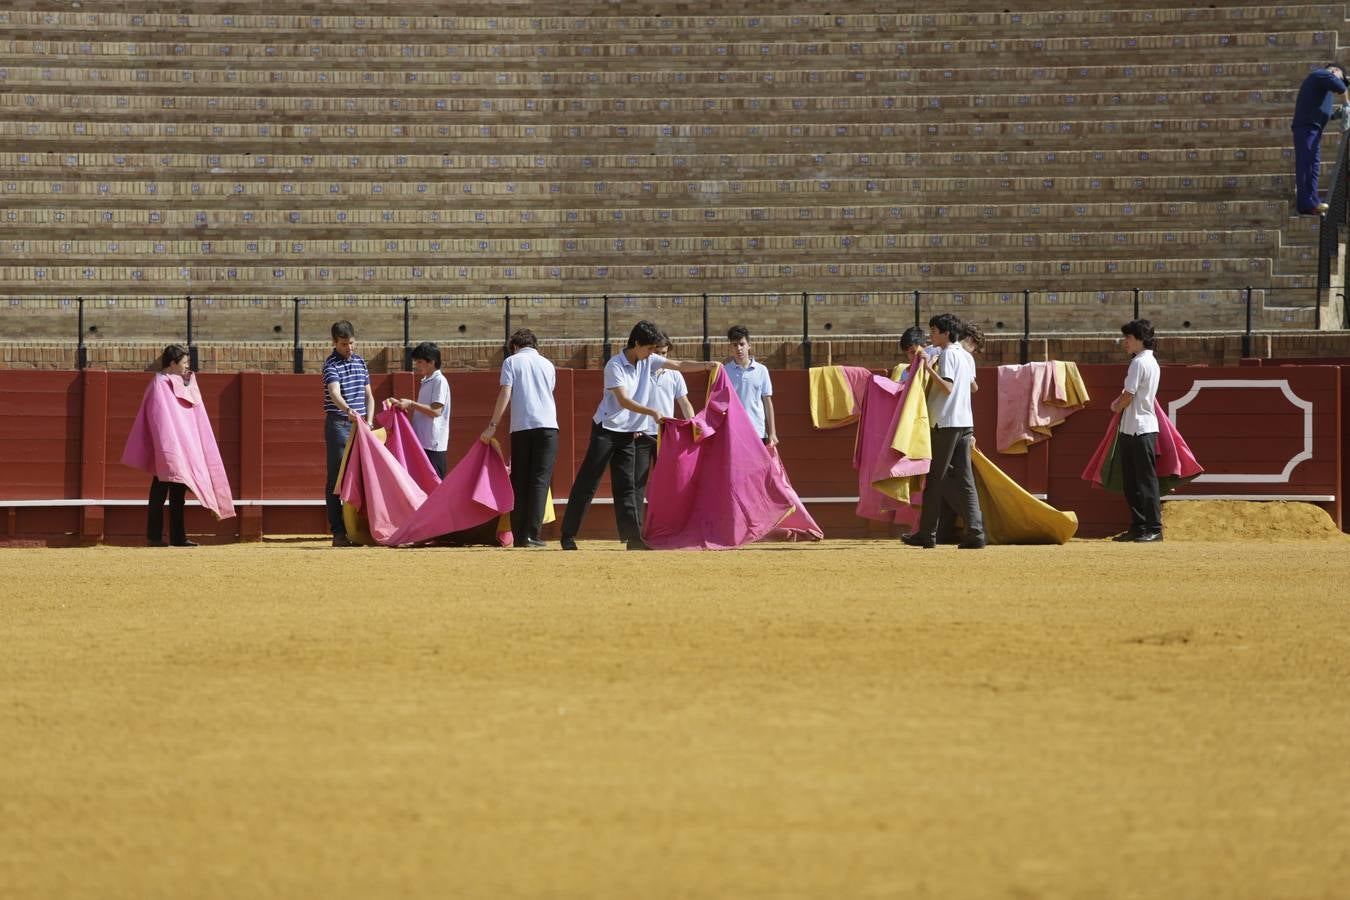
(66, 431)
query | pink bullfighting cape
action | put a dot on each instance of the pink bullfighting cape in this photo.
(715, 485)
(172, 440)
(1176, 464)
(475, 491)
(402, 443)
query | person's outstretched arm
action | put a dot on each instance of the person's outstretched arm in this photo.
(498, 409)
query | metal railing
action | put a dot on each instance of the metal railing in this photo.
(1023, 313)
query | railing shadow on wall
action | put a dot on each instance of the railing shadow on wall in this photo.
(479, 318)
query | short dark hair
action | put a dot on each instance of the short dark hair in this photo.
(947, 324)
(429, 352)
(914, 336)
(1141, 329)
(736, 332)
(643, 334)
(342, 329)
(172, 354)
(522, 337)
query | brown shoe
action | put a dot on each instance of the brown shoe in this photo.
(341, 540)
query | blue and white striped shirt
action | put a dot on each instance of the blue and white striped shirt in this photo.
(353, 375)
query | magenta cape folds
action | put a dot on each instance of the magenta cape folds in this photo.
(476, 490)
(383, 481)
(172, 440)
(716, 486)
(1176, 464)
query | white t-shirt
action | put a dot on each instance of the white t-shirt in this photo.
(433, 432)
(1141, 380)
(668, 385)
(636, 381)
(532, 378)
(957, 367)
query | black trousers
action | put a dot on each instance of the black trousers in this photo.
(1139, 474)
(533, 453)
(644, 456)
(437, 460)
(154, 525)
(951, 484)
(618, 450)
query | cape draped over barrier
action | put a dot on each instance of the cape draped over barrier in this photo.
(1176, 464)
(173, 441)
(1033, 399)
(893, 453)
(395, 508)
(715, 485)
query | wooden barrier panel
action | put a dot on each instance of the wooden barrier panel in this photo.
(1260, 431)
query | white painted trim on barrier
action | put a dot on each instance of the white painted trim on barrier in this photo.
(1283, 385)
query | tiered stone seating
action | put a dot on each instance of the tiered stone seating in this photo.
(387, 150)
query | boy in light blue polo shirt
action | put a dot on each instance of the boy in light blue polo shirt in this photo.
(751, 382)
(527, 384)
(621, 417)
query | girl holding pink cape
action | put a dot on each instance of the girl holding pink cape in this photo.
(172, 440)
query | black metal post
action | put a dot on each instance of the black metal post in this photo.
(1136, 304)
(193, 362)
(506, 321)
(609, 348)
(1026, 326)
(81, 351)
(707, 345)
(407, 344)
(297, 352)
(918, 316)
(1247, 335)
(806, 332)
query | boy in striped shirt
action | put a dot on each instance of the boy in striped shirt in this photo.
(346, 398)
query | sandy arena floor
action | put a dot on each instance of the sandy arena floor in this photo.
(846, 720)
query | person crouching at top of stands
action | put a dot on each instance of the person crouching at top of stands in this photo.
(951, 481)
(1312, 110)
(527, 384)
(669, 390)
(346, 398)
(430, 412)
(1137, 444)
(619, 419)
(750, 380)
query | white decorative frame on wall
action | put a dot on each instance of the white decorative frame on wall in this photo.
(1297, 401)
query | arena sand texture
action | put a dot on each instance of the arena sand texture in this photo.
(842, 720)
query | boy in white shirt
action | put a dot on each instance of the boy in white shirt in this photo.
(951, 481)
(431, 410)
(750, 380)
(618, 421)
(527, 384)
(1137, 444)
(669, 390)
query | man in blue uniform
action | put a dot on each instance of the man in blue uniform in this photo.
(1312, 110)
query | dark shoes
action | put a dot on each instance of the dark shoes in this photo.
(341, 540)
(638, 544)
(1125, 537)
(1149, 537)
(184, 543)
(976, 544)
(534, 543)
(568, 543)
(914, 540)
(159, 543)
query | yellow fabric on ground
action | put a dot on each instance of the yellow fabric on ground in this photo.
(831, 397)
(1013, 516)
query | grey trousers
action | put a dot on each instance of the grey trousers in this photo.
(951, 484)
